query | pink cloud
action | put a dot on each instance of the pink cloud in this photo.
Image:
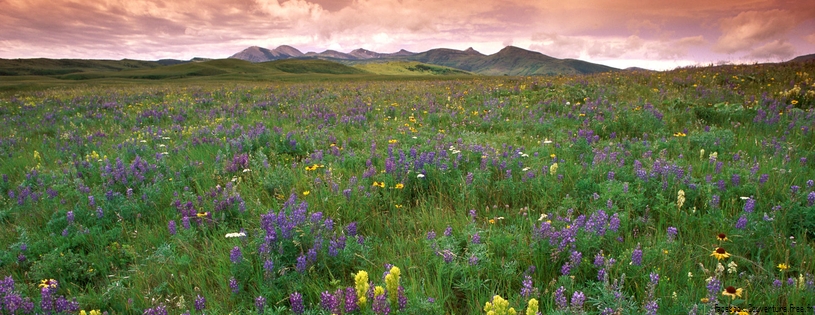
(776, 50)
(751, 28)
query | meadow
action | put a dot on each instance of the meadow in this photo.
(681, 192)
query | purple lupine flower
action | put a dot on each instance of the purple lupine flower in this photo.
(327, 301)
(311, 255)
(741, 224)
(185, 222)
(476, 239)
(268, 266)
(651, 308)
(636, 256)
(713, 288)
(200, 303)
(528, 290)
(100, 213)
(401, 299)
(431, 235)
(448, 231)
(810, 183)
(672, 232)
(472, 215)
(790, 281)
(560, 298)
(447, 255)
(714, 201)
(578, 298)
(811, 198)
(614, 222)
(296, 301)
(235, 255)
(301, 264)
(70, 217)
(233, 285)
(763, 178)
(735, 179)
(473, 260)
(777, 283)
(599, 260)
(794, 189)
(575, 258)
(601, 274)
(171, 227)
(749, 205)
(260, 303)
(566, 268)
(610, 175)
(350, 300)
(351, 229)
(381, 305)
(469, 179)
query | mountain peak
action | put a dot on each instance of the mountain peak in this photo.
(471, 51)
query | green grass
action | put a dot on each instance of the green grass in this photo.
(95, 170)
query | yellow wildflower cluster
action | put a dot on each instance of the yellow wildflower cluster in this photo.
(680, 134)
(553, 169)
(680, 199)
(314, 167)
(499, 306)
(399, 186)
(532, 308)
(93, 312)
(392, 283)
(361, 285)
(379, 184)
(51, 283)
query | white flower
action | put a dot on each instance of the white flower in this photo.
(526, 169)
(420, 176)
(547, 141)
(543, 216)
(246, 170)
(238, 234)
(744, 198)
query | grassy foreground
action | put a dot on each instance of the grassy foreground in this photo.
(689, 191)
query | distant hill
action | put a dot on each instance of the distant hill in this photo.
(804, 58)
(46, 67)
(509, 61)
(258, 54)
(398, 67)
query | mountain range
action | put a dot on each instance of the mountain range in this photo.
(509, 61)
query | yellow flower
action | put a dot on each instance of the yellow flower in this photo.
(794, 102)
(532, 309)
(704, 300)
(732, 292)
(720, 253)
(400, 186)
(202, 214)
(379, 184)
(680, 134)
(721, 237)
(392, 141)
(378, 290)
(398, 206)
(553, 169)
(361, 285)
(48, 283)
(783, 267)
(743, 312)
(305, 193)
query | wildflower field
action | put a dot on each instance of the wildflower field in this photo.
(680, 192)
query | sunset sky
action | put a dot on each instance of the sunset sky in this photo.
(620, 33)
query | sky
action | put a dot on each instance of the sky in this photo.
(652, 34)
